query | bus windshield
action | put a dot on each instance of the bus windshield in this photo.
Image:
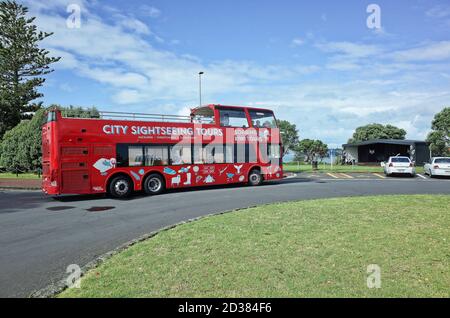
(262, 119)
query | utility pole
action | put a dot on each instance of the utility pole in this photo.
(200, 86)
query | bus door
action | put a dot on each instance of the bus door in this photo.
(75, 174)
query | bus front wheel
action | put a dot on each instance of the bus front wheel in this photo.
(120, 187)
(154, 184)
(254, 178)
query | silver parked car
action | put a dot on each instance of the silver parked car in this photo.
(399, 165)
(438, 166)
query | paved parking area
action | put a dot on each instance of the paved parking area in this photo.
(330, 176)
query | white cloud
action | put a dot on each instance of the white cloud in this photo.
(349, 49)
(438, 11)
(382, 33)
(343, 66)
(128, 96)
(66, 87)
(435, 51)
(297, 42)
(47, 5)
(150, 11)
(115, 77)
(134, 25)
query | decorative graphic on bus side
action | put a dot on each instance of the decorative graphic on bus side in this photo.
(167, 170)
(104, 165)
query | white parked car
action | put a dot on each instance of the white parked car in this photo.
(399, 165)
(438, 166)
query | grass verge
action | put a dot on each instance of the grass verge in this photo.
(317, 248)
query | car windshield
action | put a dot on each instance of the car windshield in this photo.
(442, 160)
(398, 159)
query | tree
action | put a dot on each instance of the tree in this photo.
(78, 112)
(22, 64)
(439, 137)
(289, 135)
(377, 131)
(20, 149)
(311, 149)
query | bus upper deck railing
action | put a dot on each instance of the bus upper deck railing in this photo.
(143, 117)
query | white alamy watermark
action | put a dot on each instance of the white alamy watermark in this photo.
(73, 280)
(73, 21)
(374, 19)
(374, 278)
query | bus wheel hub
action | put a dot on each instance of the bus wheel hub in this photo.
(121, 187)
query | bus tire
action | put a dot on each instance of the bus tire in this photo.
(255, 177)
(120, 187)
(154, 184)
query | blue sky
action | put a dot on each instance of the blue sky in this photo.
(317, 64)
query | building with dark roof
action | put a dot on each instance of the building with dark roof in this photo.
(378, 150)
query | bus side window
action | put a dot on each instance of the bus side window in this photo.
(213, 153)
(250, 153)
(122, 155)
(198, 154)
(135, 156)
(274, 151)
(180, 154)
(156, 156)
(229, 153)
(264, 152)
(239, 153)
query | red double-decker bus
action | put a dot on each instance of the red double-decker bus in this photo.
(119, 153)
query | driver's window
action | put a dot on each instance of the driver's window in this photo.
(233, 118)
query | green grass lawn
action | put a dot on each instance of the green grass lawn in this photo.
(20, 176)
(294, 167)
(317, 248)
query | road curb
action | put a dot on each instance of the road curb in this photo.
(18, 188)
(20, 183)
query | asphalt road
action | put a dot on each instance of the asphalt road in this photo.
(41, 236)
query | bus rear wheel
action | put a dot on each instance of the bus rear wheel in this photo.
(154, 184)
(120, 187)
(254, 178)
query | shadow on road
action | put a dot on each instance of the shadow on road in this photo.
(440, 177)
(401, 176)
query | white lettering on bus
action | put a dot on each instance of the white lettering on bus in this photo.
(167, 131)
(115, 129)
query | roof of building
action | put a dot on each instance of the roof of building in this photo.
(386, 141)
